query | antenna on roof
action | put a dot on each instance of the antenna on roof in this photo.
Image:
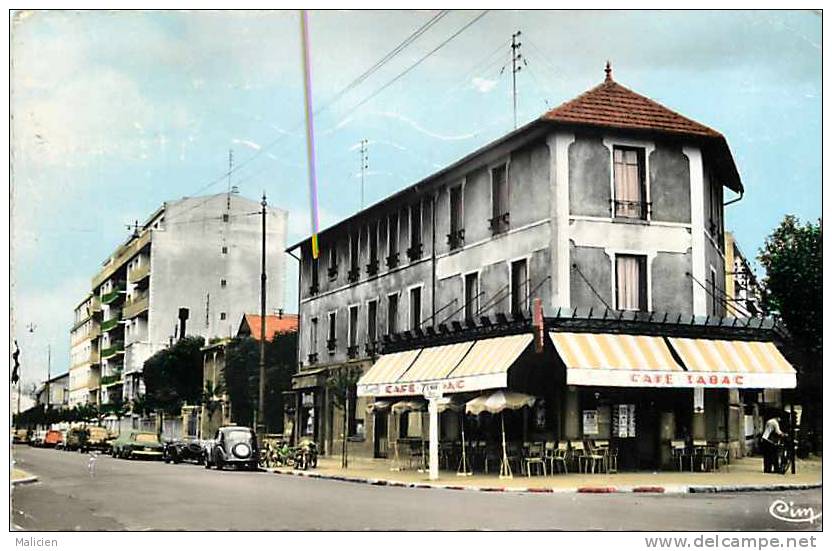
(608, 72)
(135, 227)
(515, 68)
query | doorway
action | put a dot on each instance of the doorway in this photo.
(380, 435)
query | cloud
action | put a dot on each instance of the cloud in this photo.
(483, 85)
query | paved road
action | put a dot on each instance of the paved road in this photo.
(139, 495)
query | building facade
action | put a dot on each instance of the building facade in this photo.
(607, 211)
(742, 290)
(54, 392)
(85, 360)
(196, 256)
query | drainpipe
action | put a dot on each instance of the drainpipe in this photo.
(296, 429)
(433, 257)
(732, 201)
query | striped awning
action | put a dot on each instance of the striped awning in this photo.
(603, 359)
(742, 364)
(389, 367)
(460, 367)
(436, 362)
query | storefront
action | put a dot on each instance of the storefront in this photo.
(636, 393)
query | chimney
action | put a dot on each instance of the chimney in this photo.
(183, 318)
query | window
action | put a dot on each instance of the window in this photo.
(415, 308)
(352, 337)
(472, 299)
(629, 200)
(499, 199)
(372, 243)
(519, 284)
(332, 268)
(225, 217)
(314, 287)
(713, 290)
(223, 283)
(224, 249)
(222, 315)
(415, 250)
(372, 313)
(330, 340)
(457, 235)
(392, 314)
(393, 240)
(715, 225)
(631, 282)
(353, 273)
(313, 341)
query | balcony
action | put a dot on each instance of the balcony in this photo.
(456, 239)
(332, 273)
(110, 380)
(392, 260)
(95, 357)
(499, 223)
(95, 305)
(372, 267)
(137, 274)
(113, 295)
(414, 252)
(137, 304)
(314, 289)
(110, 324)
(312, 359)
(352, 351)
(631, 210)
(330, 345)
(352, 275)
(116, 348)
(370, 349)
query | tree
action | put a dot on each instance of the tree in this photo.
(173, 376)
(341, 384)
(242, 377)
(115, 407)
(792, 289)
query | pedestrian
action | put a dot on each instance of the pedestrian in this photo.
(91, 465)
(770, 443)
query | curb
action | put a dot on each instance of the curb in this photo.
(26, 480)
(669, 489)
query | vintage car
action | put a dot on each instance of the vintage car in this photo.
(137, 444)
(98, 438)
(185, 449)
(233, 445)
(76, 439)
(53, 438)
(37, 437)
(21, 436)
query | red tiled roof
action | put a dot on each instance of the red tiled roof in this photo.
(287, 323)
(611, 105)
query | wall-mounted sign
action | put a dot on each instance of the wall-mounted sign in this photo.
(590, 422)
(624, 421)
(445, 386)
(677, 379)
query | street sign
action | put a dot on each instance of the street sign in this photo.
(432, 392)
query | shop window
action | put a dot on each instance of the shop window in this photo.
(519, 287)
(456, 236)
(629, 183)
(415, 308)
(631, 282)
(472, 292)
(499, 199)
(393, 314)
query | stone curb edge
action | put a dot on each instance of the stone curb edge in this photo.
(26, 480)
(668, 489)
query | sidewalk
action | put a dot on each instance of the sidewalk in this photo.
(742, 475)
(19, 476)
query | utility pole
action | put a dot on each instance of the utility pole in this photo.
(516, 57)
(364, 166)
(230, 169)
(261, 406)
(48, 376)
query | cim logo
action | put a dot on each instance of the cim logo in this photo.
(789, 512)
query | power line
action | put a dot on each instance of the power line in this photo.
(418, 62)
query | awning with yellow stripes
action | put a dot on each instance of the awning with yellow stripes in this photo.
(603, 359)
(460, 367)
(742, 364)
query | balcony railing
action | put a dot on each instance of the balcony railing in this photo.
(372, 267)
(95, 332)
(138, 274)
(352, 351)
(95, 305)
(330, 344)
(353, 274)
(113, 295)
(137, 304)
(332, 273)
(109, 380)
(110, 324)
(499, 223)
(370, 349)
(109, 352)
(95, 357)
(415, 252)
(456, 239)
(312, 358)
(392, 260)
(633, 210)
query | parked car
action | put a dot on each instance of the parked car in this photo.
(37, 438)
(76, 439)
(21, 436)
(233, 445)
(184, 449)
(53, 438)
(98, 438)
(135, 444)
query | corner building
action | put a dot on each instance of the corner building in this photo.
(608, 212)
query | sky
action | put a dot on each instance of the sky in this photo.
(115, 112)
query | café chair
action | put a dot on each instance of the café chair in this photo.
(534, 455)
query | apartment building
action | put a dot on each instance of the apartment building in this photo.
(742, 290)
(197, 257)
(85, 361)
(607, 212)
